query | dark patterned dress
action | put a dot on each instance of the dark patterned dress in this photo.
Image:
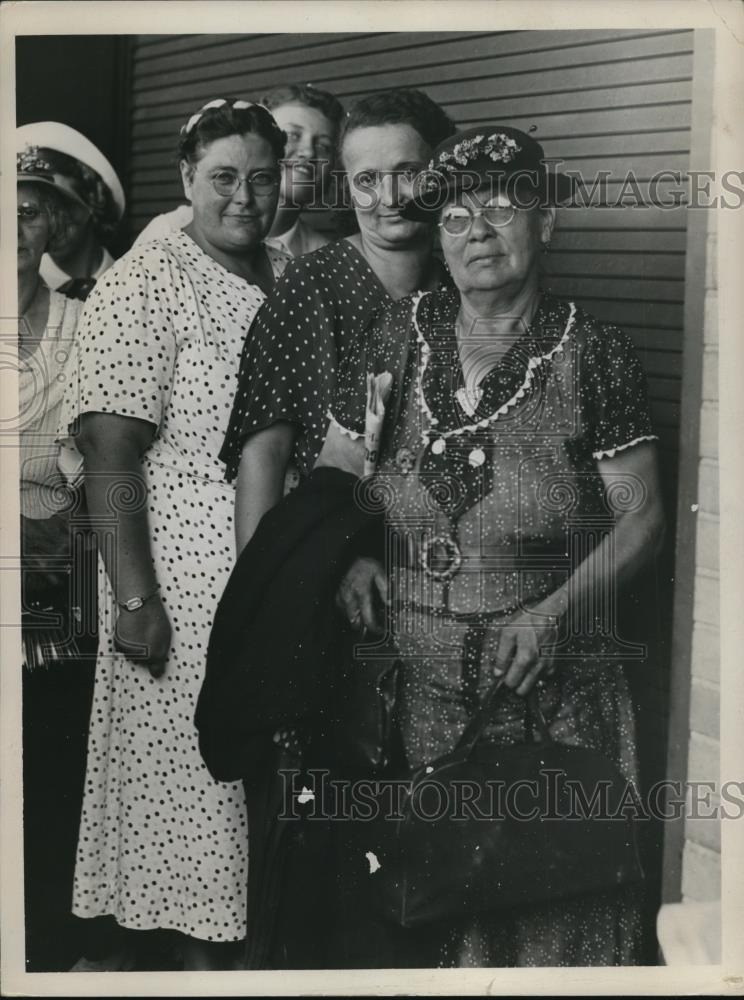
(491, 503)
(288, 368)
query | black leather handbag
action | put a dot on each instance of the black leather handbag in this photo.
(490, 826)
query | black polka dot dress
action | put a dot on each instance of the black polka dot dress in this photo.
(163, 845)
(492, 501)
(288, 370)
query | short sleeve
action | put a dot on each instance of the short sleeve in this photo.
(287, 366)
(162, 225)
(126, 344)
(614, 393)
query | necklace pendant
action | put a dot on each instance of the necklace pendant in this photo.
(476, 457)
(438, 447)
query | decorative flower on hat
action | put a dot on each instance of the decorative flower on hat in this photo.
(498, 147)
(28, 161)
(429, 183)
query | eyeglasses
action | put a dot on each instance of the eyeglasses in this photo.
(31, 215)
(459, 219)
(227, 182)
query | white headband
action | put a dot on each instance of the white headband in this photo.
(218, 103)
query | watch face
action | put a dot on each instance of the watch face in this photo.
(133, 603)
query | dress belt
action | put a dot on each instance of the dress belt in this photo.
(484, 618)
(442, 557)
(478, 586)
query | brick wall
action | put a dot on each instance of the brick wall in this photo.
(702, 847)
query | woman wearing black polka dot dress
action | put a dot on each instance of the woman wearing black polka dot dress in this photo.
(163, 845)
(288, 369)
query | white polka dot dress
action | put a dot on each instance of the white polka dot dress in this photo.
(163, 845)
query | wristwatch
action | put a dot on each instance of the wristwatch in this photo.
(135, 603)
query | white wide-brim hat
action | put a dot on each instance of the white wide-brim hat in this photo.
(63, 139)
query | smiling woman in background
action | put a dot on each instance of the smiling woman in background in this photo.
(311, 119)
(161, 844)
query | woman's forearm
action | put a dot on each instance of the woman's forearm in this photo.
(114, 469)
(261, 475)
(634, 540)
(630, 478)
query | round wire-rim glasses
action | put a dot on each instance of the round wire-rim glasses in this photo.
(31, 215)
(226, 182)
(458, 219)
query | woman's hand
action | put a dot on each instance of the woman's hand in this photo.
(144, 635)
(363, 587)
(515, 652)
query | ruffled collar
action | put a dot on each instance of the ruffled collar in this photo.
(457, 446)
(440, 383)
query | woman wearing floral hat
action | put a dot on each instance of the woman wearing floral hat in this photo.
(514, 418)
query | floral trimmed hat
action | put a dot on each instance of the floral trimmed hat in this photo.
(54, 138)
(31, 166)
(499, 157)
(34, 167)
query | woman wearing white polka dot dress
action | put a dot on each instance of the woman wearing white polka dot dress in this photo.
(163, 845)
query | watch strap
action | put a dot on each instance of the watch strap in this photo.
(136, 602)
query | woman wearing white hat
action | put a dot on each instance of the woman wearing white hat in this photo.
(95, 205)
(57, 680)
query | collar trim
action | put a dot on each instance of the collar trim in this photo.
(430, 421)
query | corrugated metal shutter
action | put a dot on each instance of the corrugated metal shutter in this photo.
(601, 100)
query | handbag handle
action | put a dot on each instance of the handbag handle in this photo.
(474, 729)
